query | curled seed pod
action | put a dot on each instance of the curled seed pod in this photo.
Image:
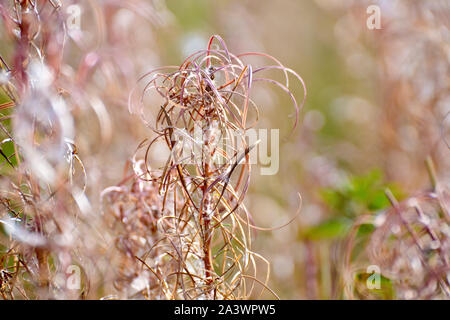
(202, 120)
(410, 246)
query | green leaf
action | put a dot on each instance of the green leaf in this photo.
(329, 229)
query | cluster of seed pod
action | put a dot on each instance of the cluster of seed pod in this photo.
(412, 246)
(132, 213)
(199, 228)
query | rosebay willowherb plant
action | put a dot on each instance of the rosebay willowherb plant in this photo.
(186, 231)
(39, 188)
(179, 230)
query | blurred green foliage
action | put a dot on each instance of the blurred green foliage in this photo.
(360, 195)
(385, 292)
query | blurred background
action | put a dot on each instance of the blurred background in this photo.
(375, 110)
